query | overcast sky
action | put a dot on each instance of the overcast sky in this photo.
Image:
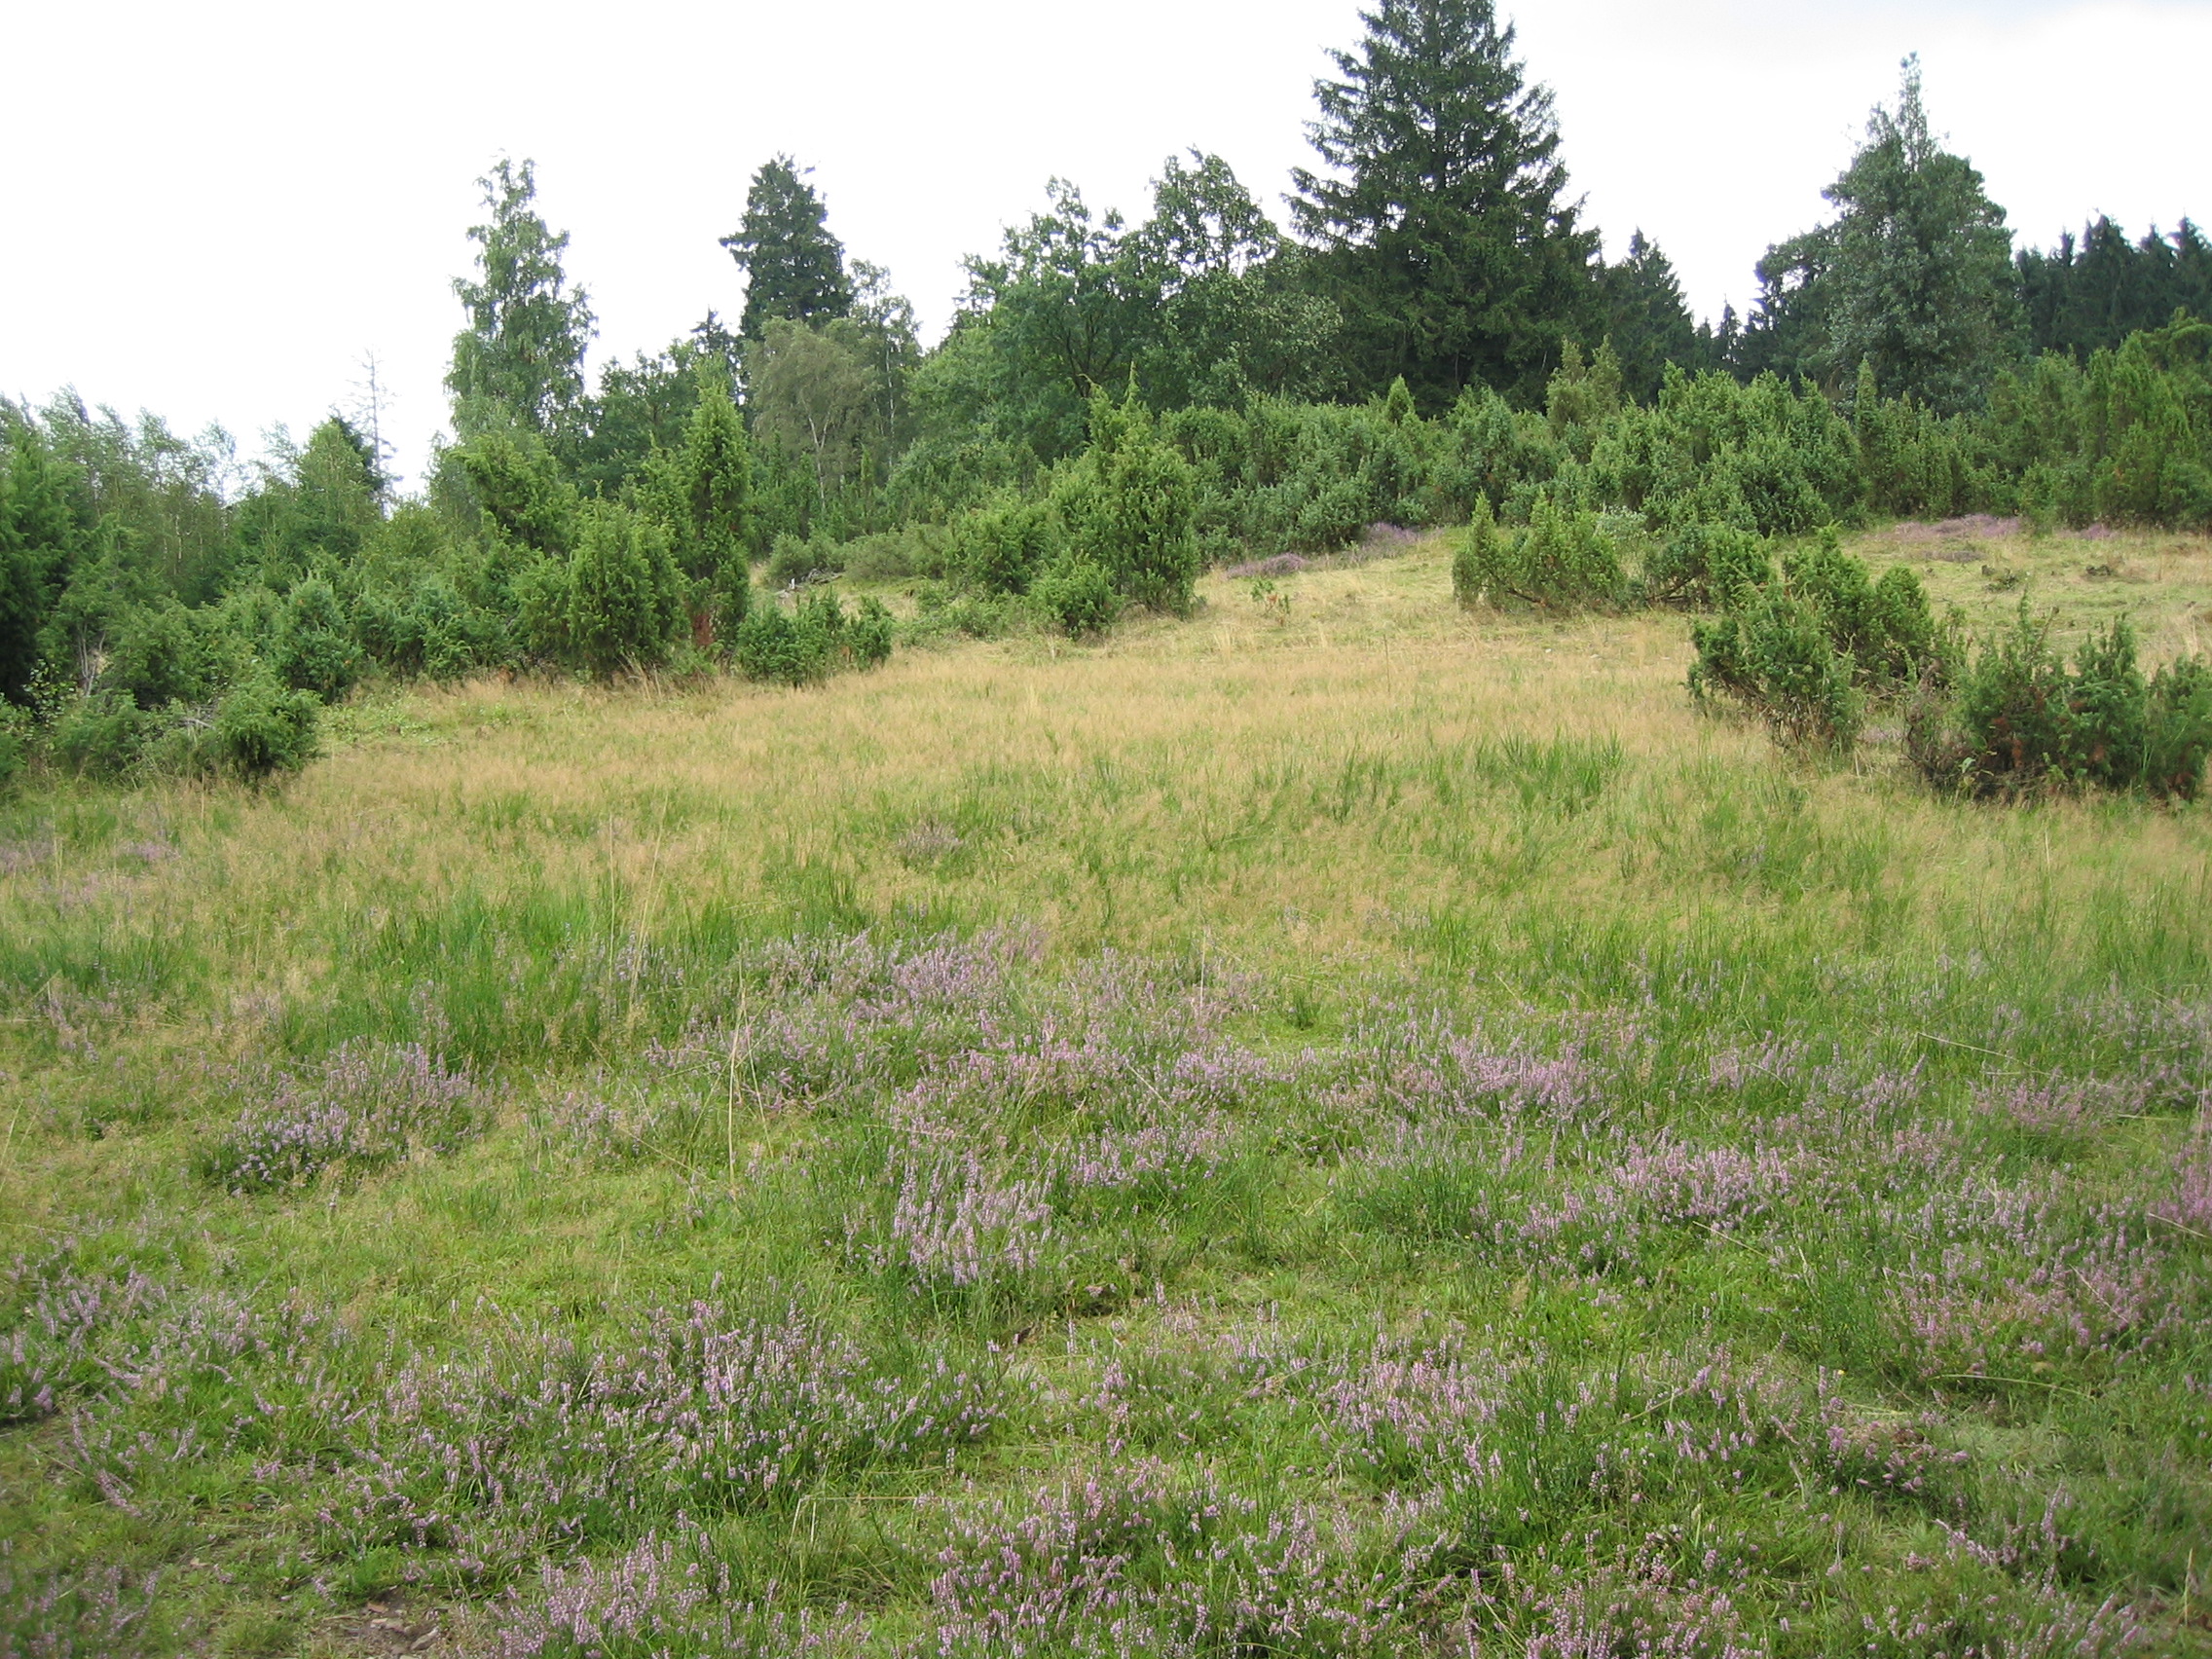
(213, 212)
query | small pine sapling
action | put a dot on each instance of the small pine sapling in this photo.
(1474, 564)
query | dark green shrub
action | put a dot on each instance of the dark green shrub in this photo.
(315, 647)
(103, 735)
(1001, 548)
(867, 636)
(1884, 627)
(1804, 652)
(943, 474)
(823, 626)
(1078, 595)
(941, 611)
(625, 600)
(2023, 720)
(160, 656)
(1770, 476)
(428, 628)
(1565, 560)
(517, 486)
(795, 560)
(1476, 555)
(1773, 653)
(1483, 449)
(1906, 643)
(2010, 717)
(1310, 477)
(807, 645)
(2180, 733)
(2108, 711)
(261, 727)
(1128, 506)
(769, 647)
(1707, 562)
(15, 744)
(889, 557)
(2149, 409)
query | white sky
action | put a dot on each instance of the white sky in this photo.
(213, 212)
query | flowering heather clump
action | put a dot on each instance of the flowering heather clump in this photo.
(891, 976)
(1045, 1071)
(1418, 1064)
(584, 1124)
(1158, 1157)
(368, 1105)
(53, 1316)
(245, 1368)
(2055, 1106)
(2074, 1105)
(2190, 1205)
(1142, 1561)
(1156, 1006)
(924, 844)
(837, 1020)
(668, 1596)
(99, 1614)
(1604, 1327)
(1277, 565)
(1772, 1061)
(954, 1034)
(1418, 1419)
(955, 1223)
(1639, 1607)
(1671, 1181)
(1382, 540)
(2100, 1292)
(699, 1413)
(2045, 1624)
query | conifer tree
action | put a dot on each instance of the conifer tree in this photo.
(715, 483)
(1442, 224)
(1915, 275)
(793, 267)
(41, 530)
(523, 349)
(1645, 319)
(2090, 295)
(624, 598)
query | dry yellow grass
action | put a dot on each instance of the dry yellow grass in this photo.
(1261, 780)
(2161, 580)
(1314, 795)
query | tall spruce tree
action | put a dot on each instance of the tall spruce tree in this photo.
(1647, 321)
(1442, 227)
(521, 356)
(795, 269)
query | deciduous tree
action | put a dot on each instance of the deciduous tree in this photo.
(812, 393)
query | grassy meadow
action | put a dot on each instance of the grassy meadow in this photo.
(1335, 1126)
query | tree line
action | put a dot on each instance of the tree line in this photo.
(1435, 336)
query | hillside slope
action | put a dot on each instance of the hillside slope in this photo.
(1335, 1126)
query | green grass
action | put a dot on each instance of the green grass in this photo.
(1343, 1125)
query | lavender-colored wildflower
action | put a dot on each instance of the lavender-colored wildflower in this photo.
(365, 1105)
